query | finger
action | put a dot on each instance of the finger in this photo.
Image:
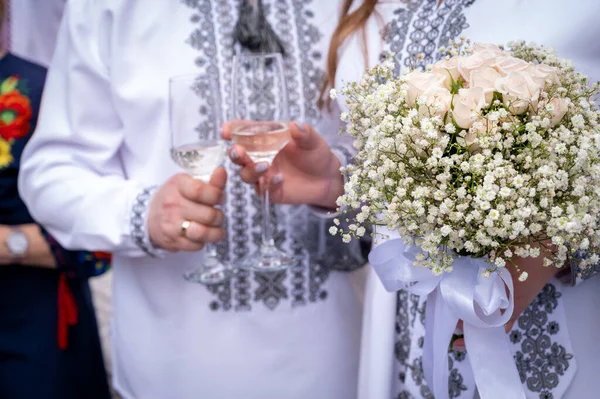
(184, 244)
(276, 181)
(276, 186)
(228, 128)
(304, 136)
(200, 233)
(200, 192)
(250, 174)
(239, 156)
(202, 214)
(219, 178)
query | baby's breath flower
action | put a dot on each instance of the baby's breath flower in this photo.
(494, 188)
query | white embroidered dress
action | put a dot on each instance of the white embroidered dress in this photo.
(556, 341)
(103, 142)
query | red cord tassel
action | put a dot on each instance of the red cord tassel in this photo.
(67, 311)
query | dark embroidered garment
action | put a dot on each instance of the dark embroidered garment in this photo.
(49, 344)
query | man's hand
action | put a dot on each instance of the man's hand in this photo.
(183, 198)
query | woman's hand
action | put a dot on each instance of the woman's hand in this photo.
(185, 199)
(304, 172)
(526, 291)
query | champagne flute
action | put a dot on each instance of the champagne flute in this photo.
(196, 146)
(260, 107)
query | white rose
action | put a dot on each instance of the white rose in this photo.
(561, 106)
(437, 102)
(492, 48)
(468, 141)
(486, 79)
(475, 61)
(448, 68)
(507, 64)
(419, 82)
(518, 91)
(466, 106)
(541, 73)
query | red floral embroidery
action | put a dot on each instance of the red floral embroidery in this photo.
(106, 256)
(15, 115)
(15, 118)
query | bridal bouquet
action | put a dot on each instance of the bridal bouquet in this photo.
(489, 153)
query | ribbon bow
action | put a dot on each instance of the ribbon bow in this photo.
(463, 294)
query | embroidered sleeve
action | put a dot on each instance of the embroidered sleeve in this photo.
(81, 264)
(330, 249)
(138, 222)
(581, 269)
(71, 174)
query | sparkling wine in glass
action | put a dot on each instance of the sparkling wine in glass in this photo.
(260, 109)
(196, 146)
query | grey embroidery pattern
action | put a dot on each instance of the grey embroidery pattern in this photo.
(408, 312)
(540, 360)
(213, 38)
(397, 30)
(402, 344)
(271, 286)
(432, 27)
(312, 77)
(455, 23)
(285, 29)
(204, 40)
(137, 220)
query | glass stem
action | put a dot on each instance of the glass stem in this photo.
(267, 233)
(210, 255)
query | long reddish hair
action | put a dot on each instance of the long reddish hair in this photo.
(348, 25)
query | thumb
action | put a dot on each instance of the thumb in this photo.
(304, 136)
(219, 178)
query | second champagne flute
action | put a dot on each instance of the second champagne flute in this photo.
(260, 107)
(197, 147)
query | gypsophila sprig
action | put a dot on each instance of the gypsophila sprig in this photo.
(488, 153)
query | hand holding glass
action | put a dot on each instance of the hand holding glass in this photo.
(196, 146)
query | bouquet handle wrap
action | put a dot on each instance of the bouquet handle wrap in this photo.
(463, 294)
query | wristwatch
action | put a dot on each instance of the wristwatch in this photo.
(17, 243)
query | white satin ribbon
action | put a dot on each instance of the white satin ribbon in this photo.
(463, 294)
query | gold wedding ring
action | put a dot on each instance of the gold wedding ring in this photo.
(185, 225)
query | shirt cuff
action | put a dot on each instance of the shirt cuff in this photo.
(344, 156)
(138, 222)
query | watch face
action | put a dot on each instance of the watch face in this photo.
(17, 243)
